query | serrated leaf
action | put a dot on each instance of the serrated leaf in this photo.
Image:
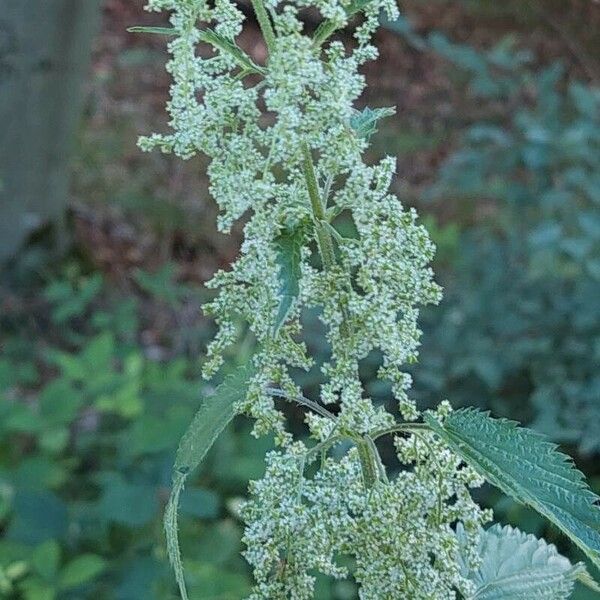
(212, 417)
(289, 247)
(154, 30)
(529, 469)
(210, 420)
(517, 566)
(364, 123)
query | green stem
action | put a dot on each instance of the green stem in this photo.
(324, 239)
(322, 226)
(367, 463)
(402, 428)
(327, 28)
(324, 32)
(330, 441)
(262, 16)
(321, 410)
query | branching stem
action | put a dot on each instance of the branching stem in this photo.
(321, 410)
(401, 428)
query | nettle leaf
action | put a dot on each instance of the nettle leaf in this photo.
(211, 419)
(364, 123)
(289, 248)
(529, 469)
(517, 566)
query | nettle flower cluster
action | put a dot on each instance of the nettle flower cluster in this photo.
(286, 147)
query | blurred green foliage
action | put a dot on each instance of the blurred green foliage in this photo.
(88, 429)
(519, 331)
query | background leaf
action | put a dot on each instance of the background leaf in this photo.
(81, 570)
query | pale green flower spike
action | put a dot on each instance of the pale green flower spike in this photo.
(286, 145)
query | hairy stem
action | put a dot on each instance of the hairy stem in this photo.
(322, 226)
(401, 428)
(367, 463)
(324, 239)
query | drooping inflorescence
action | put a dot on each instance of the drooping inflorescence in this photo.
(286, 146)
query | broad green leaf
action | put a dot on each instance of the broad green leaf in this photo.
(45, 559)
(128, 503)
(153, 30)
(364, 122)
(36, 589)
(37, 517)
(80, 570)
(217, 583)
(204, 504)
(527, 468)
(517, 566)
(289, 246)
(210, 420)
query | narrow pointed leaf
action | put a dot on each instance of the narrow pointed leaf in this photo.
(172, 534)
(529, 469)
(289, 246)
(153, 30)
(212, 417)
(210, 420)
(210, 36)
(517, 566)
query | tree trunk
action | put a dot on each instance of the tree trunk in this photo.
(44, 57)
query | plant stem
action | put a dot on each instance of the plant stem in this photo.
(321, 410)
(327, 28)
(264, 21)
(370, 460)
(367, 463)
(402, 427)
(322, 227)
(324, 239)
(324, 32)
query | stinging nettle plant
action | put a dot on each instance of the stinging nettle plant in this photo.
(286, 147)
